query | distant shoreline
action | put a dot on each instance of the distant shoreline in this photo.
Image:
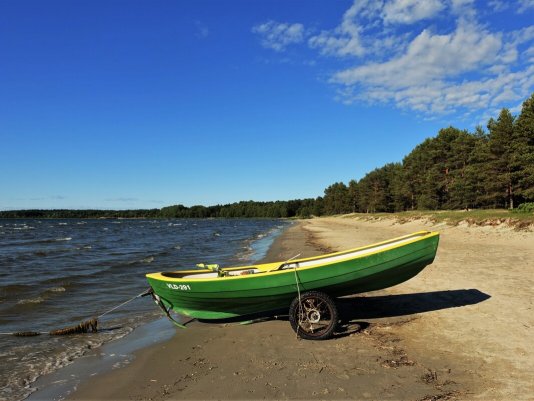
(245, 209)
(474, 217)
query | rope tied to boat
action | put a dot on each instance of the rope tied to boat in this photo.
(87, 326)
(298, 294)
(288, 260)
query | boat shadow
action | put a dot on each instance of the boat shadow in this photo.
(352, 310)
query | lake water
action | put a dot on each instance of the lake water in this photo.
(58, 273)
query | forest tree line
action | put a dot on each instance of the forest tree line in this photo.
(246, 209)
(457, 169)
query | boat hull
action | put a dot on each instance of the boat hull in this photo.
(226, 297)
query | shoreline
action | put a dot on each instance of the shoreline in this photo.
(427, 339)
(60, 383)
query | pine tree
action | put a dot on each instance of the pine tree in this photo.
(354, 196)
(523, 152)
(503, 182)
(478, 173)
(336, 199)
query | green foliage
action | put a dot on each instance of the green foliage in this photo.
(456, 170)
(278, 209)
(381, 189)
(501, 162)
(336, 199)
(527, 207)
(523, 148)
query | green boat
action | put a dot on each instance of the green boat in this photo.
(218, 293)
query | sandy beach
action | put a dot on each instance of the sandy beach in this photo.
(462, 329)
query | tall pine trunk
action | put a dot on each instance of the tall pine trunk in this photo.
(510, 196)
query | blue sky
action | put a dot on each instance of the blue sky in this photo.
(143, 104)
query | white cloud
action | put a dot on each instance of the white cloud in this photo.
(345, 45)
(498, 5)
(440, 97)
(428, 57)
(278, 36)
(460, 5)
(410, 11)
(522, 35)
(524, 5)
(345, 39)
(456, 64)
(350, 38)
(469, 69)
(520, 6)
(529, 54)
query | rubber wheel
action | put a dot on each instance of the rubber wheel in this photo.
(314, 317)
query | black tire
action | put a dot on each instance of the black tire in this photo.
(315, 317)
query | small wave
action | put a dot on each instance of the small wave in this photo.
(57, 289)
(36, 300)
(177, 247)
(63, 239)
(20, 378)
(42, 297)
(150, 259)
(245, 255)
(62, 224)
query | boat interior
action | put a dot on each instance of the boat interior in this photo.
(302, 263)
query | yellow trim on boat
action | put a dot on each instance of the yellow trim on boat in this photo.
(273, 268)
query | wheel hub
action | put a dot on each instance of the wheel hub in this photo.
(314, 316)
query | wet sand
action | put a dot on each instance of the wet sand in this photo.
(462, 329)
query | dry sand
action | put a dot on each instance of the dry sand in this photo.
(462, 329)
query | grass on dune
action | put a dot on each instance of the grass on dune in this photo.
(480, 217)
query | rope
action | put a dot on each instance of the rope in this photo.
(289, 260)
(298, 292)
(84, 327)
(124, 303)
(167, 312)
